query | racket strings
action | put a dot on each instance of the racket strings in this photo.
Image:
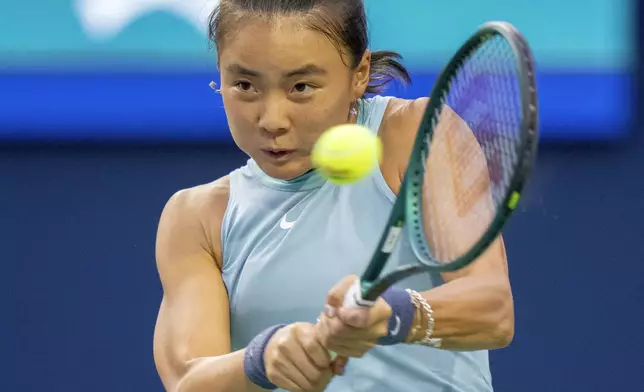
(477, 132)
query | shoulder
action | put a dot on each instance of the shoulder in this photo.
(402, 118)
(201, 201)
(397, 132)
(195, 215)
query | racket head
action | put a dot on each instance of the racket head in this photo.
(505, 125)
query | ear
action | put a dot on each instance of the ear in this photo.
(362, 75)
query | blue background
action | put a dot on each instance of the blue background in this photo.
(78, 220)
(64, 78)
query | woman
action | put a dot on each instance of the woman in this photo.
(247, 261)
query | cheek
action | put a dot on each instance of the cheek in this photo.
(240, 119)
(320, 115)
(311, 122)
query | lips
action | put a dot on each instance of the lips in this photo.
(277, 153)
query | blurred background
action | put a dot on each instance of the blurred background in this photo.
(105, 112)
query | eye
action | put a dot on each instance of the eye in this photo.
(244, 86)
(303, 88)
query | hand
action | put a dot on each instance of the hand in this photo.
(351, 332)
(295, 359)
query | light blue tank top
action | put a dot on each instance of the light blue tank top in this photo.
(286, 243)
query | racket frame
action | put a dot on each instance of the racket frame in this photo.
(406, 208)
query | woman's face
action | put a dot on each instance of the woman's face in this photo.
(284, 84)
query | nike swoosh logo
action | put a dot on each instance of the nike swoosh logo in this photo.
(396, 329)
(284, 224)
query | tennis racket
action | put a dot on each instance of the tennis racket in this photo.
(471, 158)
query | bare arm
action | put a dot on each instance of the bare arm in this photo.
(192, 334)
(474, 309)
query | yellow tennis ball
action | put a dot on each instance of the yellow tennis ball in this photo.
(346, 153)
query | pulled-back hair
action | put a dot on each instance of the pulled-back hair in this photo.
(344, 22)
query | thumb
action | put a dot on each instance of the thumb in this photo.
(335, 298)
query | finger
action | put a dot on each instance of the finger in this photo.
(339, 365)
(328, 332)
(293, 370)
(339, 361)
(283, 382)
(337, 329)
(313, 347)
(335, 298)
(353, 350)
(355, 317)
(353, 343)
(324, 381)
(365, 317)
(288, 362)
(309, 372)
(281, 372)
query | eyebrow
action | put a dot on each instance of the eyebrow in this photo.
(309, 69)
(238, 69)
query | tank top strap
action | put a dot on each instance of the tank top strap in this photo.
(371, 111)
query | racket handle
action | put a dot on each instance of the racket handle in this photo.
(353, 299)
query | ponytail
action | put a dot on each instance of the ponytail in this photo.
(385, 68)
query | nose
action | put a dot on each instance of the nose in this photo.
(274, 117)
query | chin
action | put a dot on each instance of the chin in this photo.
(285, 171)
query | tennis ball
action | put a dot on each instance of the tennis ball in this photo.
(346, 153)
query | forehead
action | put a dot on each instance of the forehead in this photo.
(281, 44)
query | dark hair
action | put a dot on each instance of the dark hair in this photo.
(344, 22)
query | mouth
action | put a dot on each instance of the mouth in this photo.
(276, 153)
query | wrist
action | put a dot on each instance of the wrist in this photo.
(402, 316)
(423, 328)
(254, 364)
(417, 330)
